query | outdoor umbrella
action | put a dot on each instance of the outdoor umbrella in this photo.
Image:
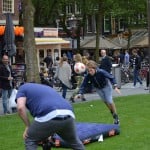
(9, 37)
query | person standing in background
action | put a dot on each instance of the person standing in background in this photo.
(121, 57)
(147, 80)
(6, 82)
(116, 57)
(78, 77)
(105, 63)
(126, 58)
(63, 73)
(48, 60)
(136, 65)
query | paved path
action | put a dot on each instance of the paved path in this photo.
(126, 90)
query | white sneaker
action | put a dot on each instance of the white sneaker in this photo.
(141, 85)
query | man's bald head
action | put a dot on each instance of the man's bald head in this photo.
(103, 52)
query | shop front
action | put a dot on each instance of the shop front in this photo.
(53, 45)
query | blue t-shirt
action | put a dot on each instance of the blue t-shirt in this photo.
(42, 99)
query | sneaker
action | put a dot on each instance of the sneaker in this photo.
(83, 99)
(72, 99)
(116, 121)
(7, 113)
(134, 86)
(141, 85)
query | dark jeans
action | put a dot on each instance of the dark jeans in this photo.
(66, 129)
(147, 79)
(64, 90)
(136, 77)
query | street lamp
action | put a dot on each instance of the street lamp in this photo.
(74, 23)
(148, 15)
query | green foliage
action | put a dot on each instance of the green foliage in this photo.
(48, 11)
(134, 117)
(129, 8)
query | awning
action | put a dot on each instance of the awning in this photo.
(142, 43)
(104, 43)
(44, 41)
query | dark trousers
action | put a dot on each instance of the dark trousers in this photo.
(147, 79)
(66, 129)
(64, 90)
(136, 77)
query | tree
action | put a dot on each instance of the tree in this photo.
(45, 12)
(32, 72)
(48, 11)
(130, 11)
(99, 8)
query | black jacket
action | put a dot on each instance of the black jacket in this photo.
(106, 64)
(4, 74)
(135, 62)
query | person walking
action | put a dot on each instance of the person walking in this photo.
(52, 114)
(6, 82)
(136, 65)
(63, 73)
(126, 58)
(105, 63)
(102, 81)
(78, 77)
(147, 80)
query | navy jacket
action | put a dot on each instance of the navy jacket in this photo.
(99, 80)
(106, 64)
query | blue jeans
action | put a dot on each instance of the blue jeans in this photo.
(64, 90)
(5, 96)
(136, 77)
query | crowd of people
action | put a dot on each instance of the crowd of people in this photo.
(131, 65)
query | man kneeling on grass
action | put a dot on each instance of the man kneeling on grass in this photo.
(51, 112)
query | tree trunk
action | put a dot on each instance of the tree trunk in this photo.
(98, 31)
(97, 37)
(129, 38)
(32, 71)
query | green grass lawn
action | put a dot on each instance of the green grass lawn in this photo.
(134, 112)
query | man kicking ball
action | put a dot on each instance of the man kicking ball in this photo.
(102, 81)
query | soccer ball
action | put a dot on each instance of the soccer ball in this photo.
(79, 68)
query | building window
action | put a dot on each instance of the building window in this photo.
(121, 25)
(89, 24)
(77, 9)
(8, 6)
(69, 9)
(106, 24)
